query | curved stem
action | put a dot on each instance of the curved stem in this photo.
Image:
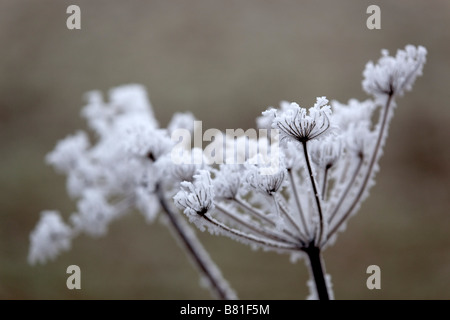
(196, 251)
(253, 211)
(297, 201)
(325, 181)
(370, 167)
(254, 228)
(251, 238)
(280, 207)
(316, 194)
(347, 189)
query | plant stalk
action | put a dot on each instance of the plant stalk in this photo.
(317, 271)
(196, 251)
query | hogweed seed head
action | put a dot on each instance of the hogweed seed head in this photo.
(393, 75)
(196, 198)
(298, 124)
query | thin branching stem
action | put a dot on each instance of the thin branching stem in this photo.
(347, 189)
(260, 215)
(249, 237)
(371, 165)
(297, 201)
(252, 227)
(325, 181)
(316, 194)
(253, 211)
(192, 249)
(279, 204)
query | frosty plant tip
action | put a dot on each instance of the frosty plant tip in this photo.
(325, 160)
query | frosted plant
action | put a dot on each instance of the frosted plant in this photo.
(290, 191)
(328, 159)
(50, 237)
(126, 168)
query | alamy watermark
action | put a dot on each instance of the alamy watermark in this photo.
(74, 280)
(230, 147)
(374, 280)
(374, 20)
(74, 20)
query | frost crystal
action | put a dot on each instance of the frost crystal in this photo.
(227, 181)
(196, 198)
(94, 213)
(50, 237)
(297, 123)
(127, 166)
(68, 152)
(268, 183)
(394, 75)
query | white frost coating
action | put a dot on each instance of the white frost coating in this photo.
(227, 181)
(313, 290)
(344, 144)
(190, 163)
(68, 151)
(181, 120)
(94, 213)
(264, 182)
(147, 203)
(326, 152)
(196, 198)
(125, 168)
(147, 142)
(352, 113)
(50, 237)
(394, 74)
(300, 124)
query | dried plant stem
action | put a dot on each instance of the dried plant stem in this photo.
(325, 182)
(249, 237)
(347, 189)
(317, 271)
(196, 251)
(254, 228)
(253, 211)
(281, 208)
(316, 194)
(297, 201)
(381, 135)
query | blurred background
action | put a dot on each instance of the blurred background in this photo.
(226, 61)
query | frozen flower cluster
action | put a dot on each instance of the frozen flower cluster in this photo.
(328, 159)
(294, 190)
(123, 166)
(118, 171)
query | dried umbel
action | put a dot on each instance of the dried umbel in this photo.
(327, 163)
(293, 199)
(127, 167)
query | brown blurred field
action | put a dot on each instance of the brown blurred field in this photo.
(225, 61)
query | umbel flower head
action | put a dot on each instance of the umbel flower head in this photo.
(267, 183)
(297, 123)
(394, 75)
(196, 198)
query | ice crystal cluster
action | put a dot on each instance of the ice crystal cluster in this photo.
(123, 166)
(325, 162)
